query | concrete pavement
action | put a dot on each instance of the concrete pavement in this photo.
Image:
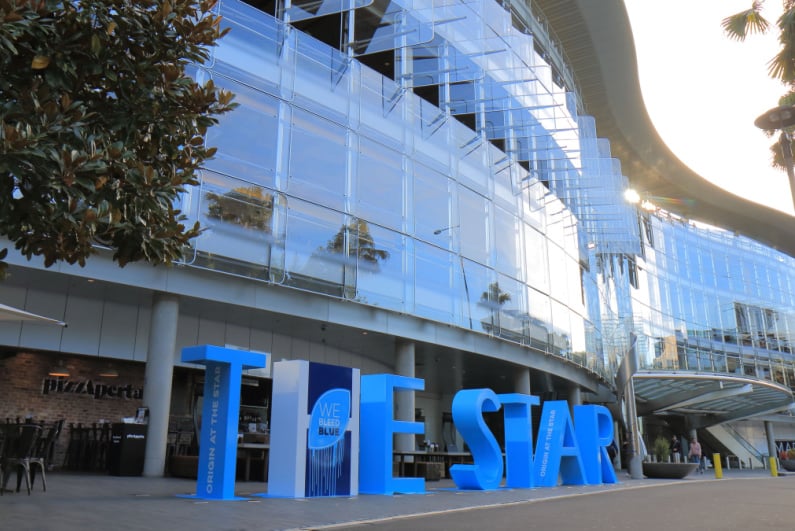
(87, 501)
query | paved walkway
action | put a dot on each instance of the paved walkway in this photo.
(75, 501)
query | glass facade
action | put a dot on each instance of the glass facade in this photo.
(432, 187)
(711, 301)
(430, 160)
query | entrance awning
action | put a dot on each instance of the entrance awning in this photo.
(9, 313)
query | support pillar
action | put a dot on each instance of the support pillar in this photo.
(521, 381)
(771, 439)
(157, 380)
(404, 400)
(575, 397)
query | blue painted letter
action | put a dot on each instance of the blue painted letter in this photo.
(377, 426)
(518, 439)
(468, 408)
(594, 426)
(218, 440)
(557, 451)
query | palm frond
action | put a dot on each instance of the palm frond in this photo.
(744, 23)
(782, 66)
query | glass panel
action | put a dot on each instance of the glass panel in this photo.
(538, 326)
(306, 9)
(535, 256)
(314, 258)
(379, 184)
(390, 26)
(433, 289)
(381, 275)
(473, 210)
(246, 137)
(508, 242)
(432, 198)
(321, 176)
(237, 220)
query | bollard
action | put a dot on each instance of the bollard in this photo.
(773, 467)
(717, 465)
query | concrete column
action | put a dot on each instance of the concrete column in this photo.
(575, 397)
(404, 400)
(157, 382)
(521, 381)
(771, 439)
(635, 465)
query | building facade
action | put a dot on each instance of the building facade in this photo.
(416, 188)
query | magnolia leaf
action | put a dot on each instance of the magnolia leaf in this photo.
(40, 62)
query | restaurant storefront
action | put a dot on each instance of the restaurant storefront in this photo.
(90, 394)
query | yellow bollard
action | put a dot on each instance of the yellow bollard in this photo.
(718, 466)
(773, 467)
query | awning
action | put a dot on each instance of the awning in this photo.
(9, 313)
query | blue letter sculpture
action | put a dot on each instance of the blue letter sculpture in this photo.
(557, 451)
(378, 425)
(518, 439)
(595, 433)
(218, 440)
(468, 408)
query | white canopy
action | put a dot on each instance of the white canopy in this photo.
(8, 313)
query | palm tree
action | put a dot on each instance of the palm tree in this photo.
(750, 21)
(782, 66)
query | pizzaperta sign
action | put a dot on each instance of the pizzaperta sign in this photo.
(96, 390)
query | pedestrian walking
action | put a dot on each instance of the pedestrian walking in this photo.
(695, 455)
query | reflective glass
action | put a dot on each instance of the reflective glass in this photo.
(379, 184)
(246, 138)
(434, 294)
(237, 218)
(433, 219)
(380, 265)
(327, 142)
(314, 255)
(473, 211)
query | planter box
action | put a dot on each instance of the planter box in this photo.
(788, 464)
(668, 470)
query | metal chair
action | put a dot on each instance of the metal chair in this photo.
(22, 446)
(43, 453)
(2, 457)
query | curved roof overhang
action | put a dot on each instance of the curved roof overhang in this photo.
(597, 41)
(708, 399)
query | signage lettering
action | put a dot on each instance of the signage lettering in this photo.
(570, 450)
(576, 456)
(97, 391)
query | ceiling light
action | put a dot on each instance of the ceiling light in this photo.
(109, 372)
(59, 370)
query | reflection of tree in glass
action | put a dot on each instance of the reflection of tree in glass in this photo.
(494, 297)
(245, 206)
(361, 243)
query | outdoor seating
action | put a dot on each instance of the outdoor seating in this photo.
(22, 443)
(43, 452)
(88, 447)
(2, 455)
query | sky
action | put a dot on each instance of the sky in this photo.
(703, 92)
